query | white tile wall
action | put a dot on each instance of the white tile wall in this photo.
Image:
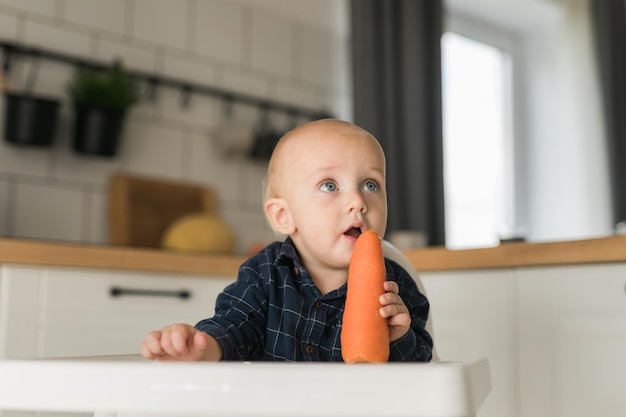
(162, 22)
(244, 82)
(302, 95)
(70, 166)
(8, 27)
(329, 15)
(36, 7)
(264, 48)
(50, 79)
(60, 218)
(254, 173)
(131, 56)
(45, 79)
(152, 150)
(222, 174)
(202, 112)
(189, 70)
(49, 35)
(216, 20)
(4, 215)
(272, 44)
(22, 160)
(317, 59)
(257, 229)
(96, 14)
(96, 211)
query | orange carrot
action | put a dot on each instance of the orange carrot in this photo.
(364, 332)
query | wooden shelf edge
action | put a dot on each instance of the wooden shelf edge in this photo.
(116, 257)
(509, 255)
(520, 254)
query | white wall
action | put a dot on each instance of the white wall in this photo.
(561, 165)
(266, 48)
(290, 50)
(567, 176)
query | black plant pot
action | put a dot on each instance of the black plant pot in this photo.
(97, 131)
(264, 143)
(30, 120)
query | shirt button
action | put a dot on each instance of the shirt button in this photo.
(319, 304)
(309, 349)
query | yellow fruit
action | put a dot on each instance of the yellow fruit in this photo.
(199, 232)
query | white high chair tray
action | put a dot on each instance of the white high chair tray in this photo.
(130, 384)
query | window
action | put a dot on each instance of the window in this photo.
(477, 142)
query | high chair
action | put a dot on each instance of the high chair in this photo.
(392, 252)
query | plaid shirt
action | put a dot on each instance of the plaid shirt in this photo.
(274, 312)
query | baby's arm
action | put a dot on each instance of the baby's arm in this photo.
(181, 342)
(395, 311)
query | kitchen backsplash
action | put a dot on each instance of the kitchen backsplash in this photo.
(261, 48)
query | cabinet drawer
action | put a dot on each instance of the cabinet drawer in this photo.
(86, 312)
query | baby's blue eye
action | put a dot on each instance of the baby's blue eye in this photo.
(370, 186)
(328, 186)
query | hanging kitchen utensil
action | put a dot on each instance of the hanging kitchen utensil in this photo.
(233, 136)
(29, 120)
(266, 137)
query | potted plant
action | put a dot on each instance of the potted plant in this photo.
(101, 99)
(29, 119)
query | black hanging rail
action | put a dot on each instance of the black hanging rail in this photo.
(154, 80)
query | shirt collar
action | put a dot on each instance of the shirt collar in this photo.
(288, 252)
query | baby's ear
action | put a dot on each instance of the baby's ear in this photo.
(279, 217)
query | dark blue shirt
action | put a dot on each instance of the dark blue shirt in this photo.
(274, 312)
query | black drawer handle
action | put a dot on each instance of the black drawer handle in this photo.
(119, 291)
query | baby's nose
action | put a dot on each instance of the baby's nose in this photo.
(357, 203)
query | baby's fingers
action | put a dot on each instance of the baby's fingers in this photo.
(391, 310)
(391, 302)
(391, 297)
(176, 344)
(391, 286)
(175, 341)
(151, 346)
(199, 344)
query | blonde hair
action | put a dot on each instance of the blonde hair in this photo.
(268, 184)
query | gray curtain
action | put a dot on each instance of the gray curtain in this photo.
(609, 21)
(396, 59)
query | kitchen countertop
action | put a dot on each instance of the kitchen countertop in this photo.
(31, 252)
(507, 255)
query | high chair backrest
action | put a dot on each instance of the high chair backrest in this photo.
(392, 252)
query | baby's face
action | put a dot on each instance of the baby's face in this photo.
(334, 185)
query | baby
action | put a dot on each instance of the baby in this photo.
(325, 185)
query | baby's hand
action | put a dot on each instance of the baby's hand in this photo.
(395, 311)
(178, 342)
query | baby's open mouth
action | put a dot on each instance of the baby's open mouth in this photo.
(354, 232)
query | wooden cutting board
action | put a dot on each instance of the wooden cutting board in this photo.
(140, 209)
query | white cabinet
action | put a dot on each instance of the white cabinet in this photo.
(572, 337)
(19, 311)
(555, 336)
(473, 317)
(54, 312)
(57, 312)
